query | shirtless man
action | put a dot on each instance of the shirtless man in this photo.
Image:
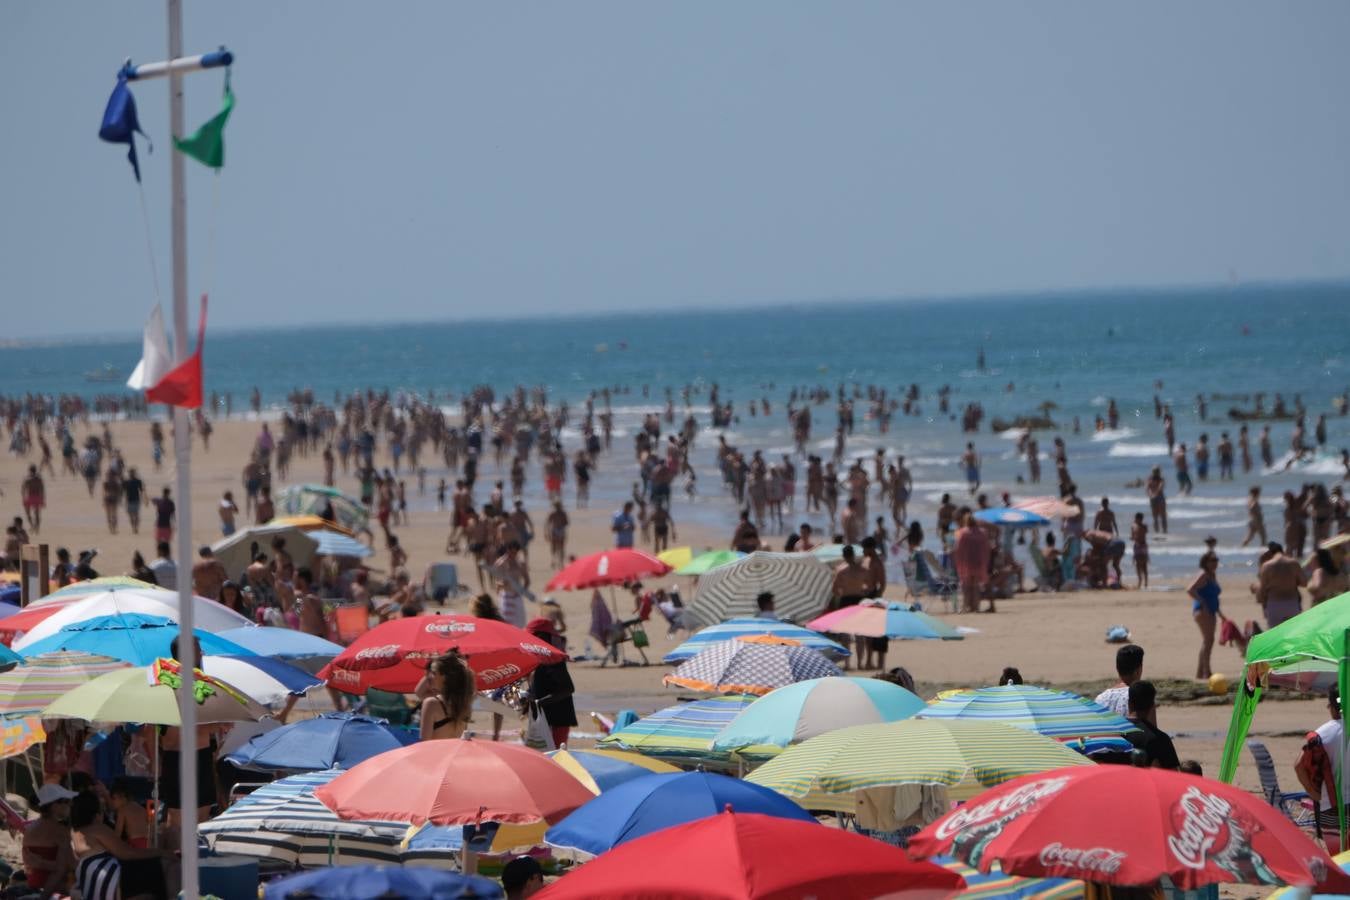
(227, 510)
(1033, 460)
(1245, 449)
(208, 575)
(1277, 588)
(746, 536)
(1267, 455)
(557, 534)
(852, 584)
(852, 522)
(522, 529)
(34, 494)
(902, 487)
(1184, 485)
(663, 529)
(945, 515)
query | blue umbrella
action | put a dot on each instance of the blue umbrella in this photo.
(750, 625)
(653, 802)
(331, 741)
(363, 882)
(332, 543)
(136, 638)
(8, 657)
(1012, 517)
(283, 643)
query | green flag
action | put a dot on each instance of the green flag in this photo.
(207, 144)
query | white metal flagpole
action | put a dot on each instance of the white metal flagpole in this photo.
(182, 452)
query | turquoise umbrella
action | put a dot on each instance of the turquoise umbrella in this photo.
(135, 638)
(682, 733)
(710, 560)
(803, 710)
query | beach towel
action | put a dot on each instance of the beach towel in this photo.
(602, 623)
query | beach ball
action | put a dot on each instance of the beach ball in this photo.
(1218, 684)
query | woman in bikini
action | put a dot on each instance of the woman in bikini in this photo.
(445, 714)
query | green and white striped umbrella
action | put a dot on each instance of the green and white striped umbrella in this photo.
(799, 582)
(966, 757)
(1057, 714)
(28, 689)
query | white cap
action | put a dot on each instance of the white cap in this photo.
(50, 793)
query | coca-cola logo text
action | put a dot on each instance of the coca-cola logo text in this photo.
(1204, 818)
(536, 649)
(344, 676)
(452, 626)
(500, 674)
(388, 651)
(1087, 860)
(1004, 806)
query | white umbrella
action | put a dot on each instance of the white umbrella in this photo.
(210, 615)
(233, 551)
(269, 681)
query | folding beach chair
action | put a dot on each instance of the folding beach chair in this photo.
(1297, 806)
(441, 582)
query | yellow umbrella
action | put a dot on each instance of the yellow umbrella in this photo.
(311, 523)
(676, 557)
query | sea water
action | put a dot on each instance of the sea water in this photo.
(1077, 351)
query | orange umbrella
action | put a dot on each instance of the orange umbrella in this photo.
(456, 782)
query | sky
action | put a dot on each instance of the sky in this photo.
(417, 161)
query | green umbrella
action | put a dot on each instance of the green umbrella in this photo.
(129, 695)
(823, 772)
(710, 560)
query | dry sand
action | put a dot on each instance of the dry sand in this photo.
(1054, 639)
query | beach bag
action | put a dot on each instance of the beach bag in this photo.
(639, 636)
(1229, 633)
(1315, 772)
(538, 734)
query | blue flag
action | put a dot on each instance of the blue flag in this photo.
(120, 123)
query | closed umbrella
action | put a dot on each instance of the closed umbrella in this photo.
(806, 709)
(330, 741)
(964, 757)
(799, 582)
(751, 665)
(754, 625)
(739, 856)
(653, 802)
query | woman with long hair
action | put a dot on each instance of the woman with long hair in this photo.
(446, 713)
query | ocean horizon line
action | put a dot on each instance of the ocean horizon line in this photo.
(714, 308)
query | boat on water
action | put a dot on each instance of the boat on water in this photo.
(109, 373)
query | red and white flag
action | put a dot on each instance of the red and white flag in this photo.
(162, 381)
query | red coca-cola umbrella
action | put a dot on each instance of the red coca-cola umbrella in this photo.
(1126, 826)
(608, 567)
(734, 855)
(394, 655)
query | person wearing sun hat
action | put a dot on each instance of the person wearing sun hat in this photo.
(48, 859)
(551, 685)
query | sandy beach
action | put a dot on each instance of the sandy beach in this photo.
(1054, 639)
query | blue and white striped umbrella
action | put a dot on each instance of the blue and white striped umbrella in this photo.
(749, 625)
(333, 543)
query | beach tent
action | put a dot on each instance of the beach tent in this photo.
(1318, 638)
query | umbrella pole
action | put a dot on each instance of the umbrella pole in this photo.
(154, 792)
